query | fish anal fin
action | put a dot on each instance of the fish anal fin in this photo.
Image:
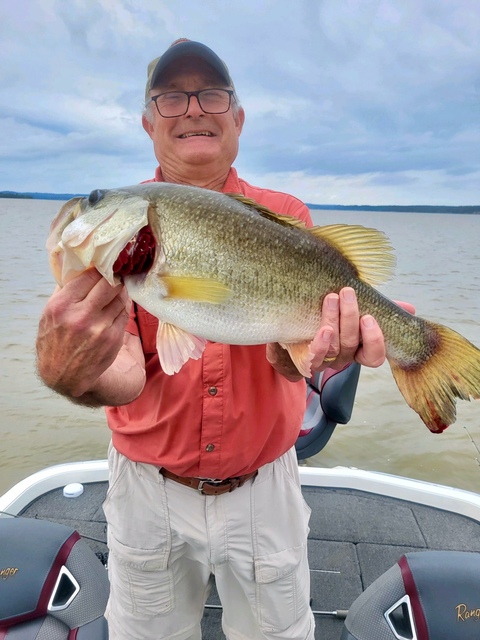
(369, 250)
(431, 388)
(196, 289)
(301, 356)
(176, 346)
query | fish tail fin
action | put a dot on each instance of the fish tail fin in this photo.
(452, 371)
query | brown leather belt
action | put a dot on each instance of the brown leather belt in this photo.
(207, 486)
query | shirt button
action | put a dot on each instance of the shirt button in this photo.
(212, 391)
(210, 447)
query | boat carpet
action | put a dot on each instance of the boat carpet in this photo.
(354, 537)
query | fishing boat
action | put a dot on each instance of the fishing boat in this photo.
(390, 557)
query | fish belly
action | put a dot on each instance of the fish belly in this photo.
(237, 321)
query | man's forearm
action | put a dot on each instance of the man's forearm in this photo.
(113, 388)
(120, 384)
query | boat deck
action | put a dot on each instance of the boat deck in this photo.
(355, 537)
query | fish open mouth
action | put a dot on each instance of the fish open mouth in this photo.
(138, 254)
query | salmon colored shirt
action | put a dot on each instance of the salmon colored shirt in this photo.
(221, 416)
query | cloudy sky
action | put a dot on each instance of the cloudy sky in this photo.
(347, 101)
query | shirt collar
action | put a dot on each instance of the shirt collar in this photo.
(232, 184)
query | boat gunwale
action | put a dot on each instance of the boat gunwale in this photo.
(439, 496)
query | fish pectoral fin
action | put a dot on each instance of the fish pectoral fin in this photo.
(176, 346)
(285, 220)
(369, 250)
(301, 356)
(197, 289)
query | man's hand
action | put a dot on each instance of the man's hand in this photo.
(343, 337)
(80, 333)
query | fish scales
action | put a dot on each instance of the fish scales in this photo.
(240, 248)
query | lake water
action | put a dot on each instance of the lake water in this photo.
(438, 269)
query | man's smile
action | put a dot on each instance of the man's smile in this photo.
(196, 133)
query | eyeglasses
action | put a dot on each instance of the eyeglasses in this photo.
(176, 103)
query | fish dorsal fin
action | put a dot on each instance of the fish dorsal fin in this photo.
(369, 250)
(287, 221)
(176, 346)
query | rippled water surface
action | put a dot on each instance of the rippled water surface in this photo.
(438, 269)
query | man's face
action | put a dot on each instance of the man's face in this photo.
(183, 143)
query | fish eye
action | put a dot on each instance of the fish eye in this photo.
(95, 196)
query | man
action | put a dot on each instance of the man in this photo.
(203, 473)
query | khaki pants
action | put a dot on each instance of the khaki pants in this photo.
(166, 540)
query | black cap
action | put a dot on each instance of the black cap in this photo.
(184, 48)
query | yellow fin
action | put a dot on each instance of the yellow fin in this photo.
(452, 371)
(369, 250)
(176, 346)
(301, 356)
(198, 289)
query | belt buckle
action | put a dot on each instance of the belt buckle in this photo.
(208, 481)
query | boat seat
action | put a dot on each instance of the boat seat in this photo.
(52, 585)
(330, 398)
(426, 595)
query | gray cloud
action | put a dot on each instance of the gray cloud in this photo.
(370, 93)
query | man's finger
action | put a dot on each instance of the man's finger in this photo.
(372, 351)
(330, 319)
(91, 286)
(349, 323)
(406, 305)
(79, 287)
(321, 347)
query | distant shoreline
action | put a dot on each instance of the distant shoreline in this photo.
(419, 208)
(470, 209)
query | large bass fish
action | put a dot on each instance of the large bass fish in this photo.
(218, 267)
